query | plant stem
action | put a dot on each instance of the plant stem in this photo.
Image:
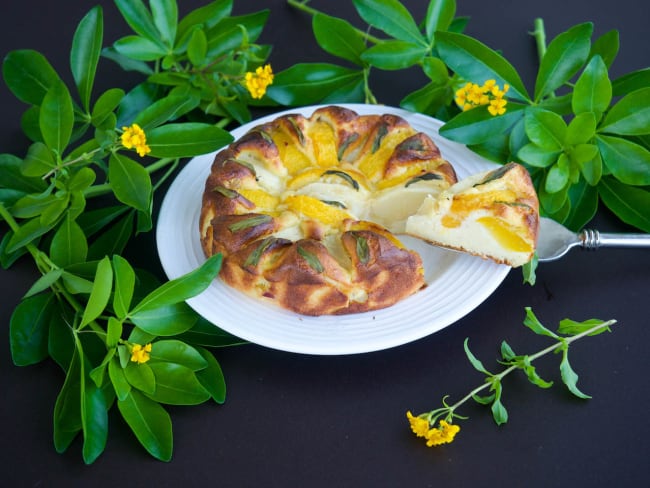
(540, 37)
(537, 355)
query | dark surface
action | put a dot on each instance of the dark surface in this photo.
(296, 420)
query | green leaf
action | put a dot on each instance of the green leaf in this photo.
(175, 351)
(499, 412)
(11, 176)
(197, 47)
(124, 286)
(85, 52)
(114, 239)
(584, 204)
(532, 375)
(439, 17)
(606, 46)
(476, 62)
(506, 351)
(338, 37)
(477, 125)
(204, 333)
(165, 320)
(212, 377)
(139, 48)
(629, 162)
(56, 117)
(629, 203)
(208, 16)
(563, 58)
(28, 329)
(391, 17)
(114, 330)
(169, 108)
(130, 182)
(69, 245)
(181, 288)
(394, 55)
(630, 116)
(427, 100)
(630, 82)
(545, 128)
(307, 83)
(593, 90)
(60, 340)
(76, 284)
(27, 232)
(105, 105)
(141, 377)
(581, 129)
(186, 140)
(529, 270)
(572, 327)
(149, 422)
(93, 221)
(532, 322)
(118, 379)
(29, 75)
(538, 157)
(67, 408)
(95, 422)
(569, 377)
(165, 18)
(177, 385)
(557, 176)
(100, 293)
(476, 363)
(39, 160)
(138, 17)
(44, 282)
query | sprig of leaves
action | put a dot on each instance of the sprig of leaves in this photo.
(91, 309)
(582, 136)
(568, 332)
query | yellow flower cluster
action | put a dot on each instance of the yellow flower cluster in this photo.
(257, 81)
(435, 436)
(472, 95)
(134, 138)
(141, 354)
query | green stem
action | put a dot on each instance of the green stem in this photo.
(533, 357)
(302, 5)
(540, 37)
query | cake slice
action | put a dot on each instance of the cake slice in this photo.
(494, 214)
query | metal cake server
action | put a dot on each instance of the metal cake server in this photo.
(555, 240)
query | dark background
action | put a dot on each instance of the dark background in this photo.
(298, 420)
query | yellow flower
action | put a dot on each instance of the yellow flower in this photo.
(140, 354)
(134, 137)
(444, 434)
(472, 95)
(419, 426)
(257, 81)
(497, 106)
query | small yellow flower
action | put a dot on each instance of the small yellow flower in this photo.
(472, 95)
(444, 434)
(497, 106)
(140, 354)
(419, 426)
(134, 138)
(257, 81)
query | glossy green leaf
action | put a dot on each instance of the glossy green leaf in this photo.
(476, 363)
(175, 351)
(29, 231)
(532, 322)
(67, 408)
(212, 377)
(165, 320)
(75, 284)
(584, 204)
(177, 385)
(536, 156)
(351, 92)
(439, 17)
(338, 37)
(140, 376)
(11, 176)
(204, 333)
(581, 129)
(28, 329)
(81, 179)
(208, 16)
(197, 47)
(69, 244)
(32, 205)
(499, 412)
(165, 18)
(114, 330)
(592, 170)
(29, 75)
(476, 62)
(44, 282)
(252, 24)
(630, 82)
(124, 286)
(564, 56)
(394, 55)
(630, 116)
(427, 100)
(95, 422)
(181, 288)
(100, 293)
(93, 221)
(149, 422)
(572, 327)
(38, 161)
(629, 203)
(546, 129)
(477, 125)
(593, 90)
(139, 48)
(166, 109)
(391, 17)
(85, 52)
(106, 104)
(606, 46)
(569, 377)
(628, 162)
(118, 379)
(53, 212)
(114, 239)
(138, 17)
(56, 117)
(533, 376)
(186, 140)
(557, 176)
(130, 182)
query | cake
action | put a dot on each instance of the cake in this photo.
(306, 211)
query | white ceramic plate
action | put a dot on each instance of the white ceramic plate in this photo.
(457, 283)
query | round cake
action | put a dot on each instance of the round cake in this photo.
(300, 209)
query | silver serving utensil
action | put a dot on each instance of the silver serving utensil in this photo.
(555, 240)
